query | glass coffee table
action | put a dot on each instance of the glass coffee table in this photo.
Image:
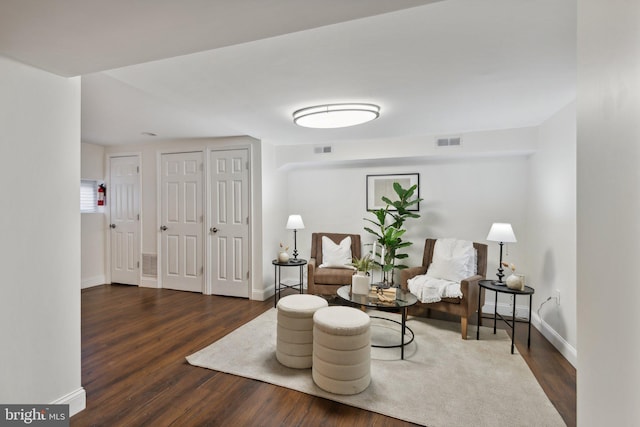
(404, 300)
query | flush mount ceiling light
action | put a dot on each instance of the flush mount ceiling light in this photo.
(330, 116)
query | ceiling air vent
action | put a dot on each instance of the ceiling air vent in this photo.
(322, 150)
(454, 141)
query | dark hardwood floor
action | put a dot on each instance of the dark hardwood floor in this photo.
(134, 343)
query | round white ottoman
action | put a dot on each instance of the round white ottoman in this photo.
(294, 345)
(341, 350)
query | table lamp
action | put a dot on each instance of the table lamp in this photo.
(503, 233)
(295, 223)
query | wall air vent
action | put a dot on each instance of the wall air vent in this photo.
(453, 141)
(150, 265)
(322, 150)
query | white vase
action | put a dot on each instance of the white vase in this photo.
(515, 281)
(283, 256)
(360, 283)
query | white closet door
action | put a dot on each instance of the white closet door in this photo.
(181, 225)
(124, 211)
(229, 222)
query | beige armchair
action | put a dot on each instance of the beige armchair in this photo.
(326, 281)
(464, 307)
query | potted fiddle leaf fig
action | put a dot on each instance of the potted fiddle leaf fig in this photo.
(388, 230)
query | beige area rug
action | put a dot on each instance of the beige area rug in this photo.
(443, 381)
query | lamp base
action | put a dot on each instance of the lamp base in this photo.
(295, 245)
(500, 269)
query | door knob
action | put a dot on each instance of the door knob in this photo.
(163, 228)
(112, 226)
(213, 230)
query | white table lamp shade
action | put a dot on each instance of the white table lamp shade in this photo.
(295, 222)
(501, 232)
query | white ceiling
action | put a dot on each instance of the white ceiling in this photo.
(434, 67)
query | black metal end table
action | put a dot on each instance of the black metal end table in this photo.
(501, 287)
(278, 285)
(403, 300)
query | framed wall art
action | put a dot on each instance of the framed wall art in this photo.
(382, 185)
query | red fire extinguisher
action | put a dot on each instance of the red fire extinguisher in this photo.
(102, 194)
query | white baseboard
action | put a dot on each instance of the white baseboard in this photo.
(522, 312)
(262, 294)
(89, 282)
(567, 350)
(148, 282)
(77, 401)
(265, 294)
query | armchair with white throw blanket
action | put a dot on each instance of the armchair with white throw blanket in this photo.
(448, 278)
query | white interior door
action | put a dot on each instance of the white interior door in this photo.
(124, 210)
(181, 222)
(229, 222)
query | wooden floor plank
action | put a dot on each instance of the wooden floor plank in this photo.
(134, 343)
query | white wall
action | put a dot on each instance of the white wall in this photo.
(608, 212)
(40, 250)
(94, 230)
(274, 217)
(499, 142)
(552, 223)
(462, 197)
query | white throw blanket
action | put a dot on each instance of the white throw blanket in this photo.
(453, 260)
(429, 289)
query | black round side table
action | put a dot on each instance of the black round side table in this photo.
(502, 288)
(279, 286)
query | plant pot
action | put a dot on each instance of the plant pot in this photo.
(360, 283)
(283, 256)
